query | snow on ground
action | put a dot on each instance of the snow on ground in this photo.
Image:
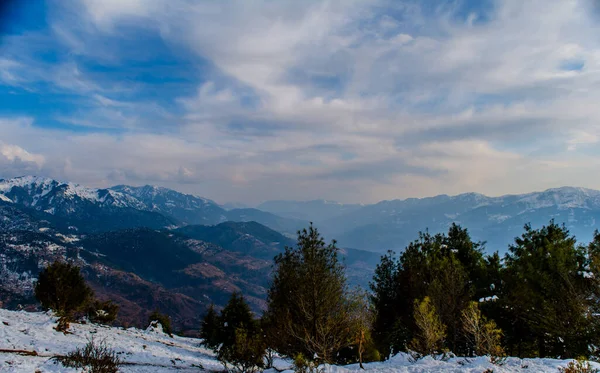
(152, 351)
(142, 350)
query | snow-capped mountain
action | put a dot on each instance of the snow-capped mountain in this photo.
(72, 206)
(92, 210)
(48, 194)
(186, 208)
(41, 202)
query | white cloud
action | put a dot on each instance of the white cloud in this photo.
(334, 99)
(14, 153)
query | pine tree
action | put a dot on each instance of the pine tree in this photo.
(61, 288)
(307, 299)
(450, 291)
(236, 314)
(238, 341)
(384, 299)
(209, 330)
(449, 269)
(548, 293)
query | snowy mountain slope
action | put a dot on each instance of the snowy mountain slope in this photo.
(69, 206)
(41, 192)
(152, 351)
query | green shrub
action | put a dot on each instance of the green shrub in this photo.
(103, 312)
(304, 365)
(94, 357)
(163, 320)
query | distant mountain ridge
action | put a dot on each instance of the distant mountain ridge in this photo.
(308, 210)
(389, 224)
(72, 206)
(496, 220)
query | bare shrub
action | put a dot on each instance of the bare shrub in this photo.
(97, 357)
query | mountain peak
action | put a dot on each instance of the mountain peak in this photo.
(35, 190)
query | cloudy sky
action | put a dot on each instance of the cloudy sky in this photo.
(348, 100)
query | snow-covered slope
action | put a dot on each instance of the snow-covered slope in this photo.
(152, 351)
(72, 207)
(44, 193)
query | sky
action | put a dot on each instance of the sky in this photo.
(347, 100)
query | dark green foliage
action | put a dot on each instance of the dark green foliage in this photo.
(163, 320)
(209, 330)
(62, 288)
(548, 294)
(302, 364)
(307, 300)
(247, 353)
(448, 269)
(540, 301)
(236, 314)
(94, 357)
(235, 336)
(103, 312)
(384, 298)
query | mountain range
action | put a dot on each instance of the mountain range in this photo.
(140, 248)
(149, 247)
(495, 220)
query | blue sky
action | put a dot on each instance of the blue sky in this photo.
(348, 100)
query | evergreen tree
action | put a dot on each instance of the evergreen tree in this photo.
(61, 288)
(235, 315)
(307, 299)
(384, 299)
(450, 291)
(548, 293)
(448, 269)
(238, 340)
(209, 330)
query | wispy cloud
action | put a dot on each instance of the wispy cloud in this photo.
(351, 100)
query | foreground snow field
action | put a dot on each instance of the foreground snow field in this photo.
(152, 351)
